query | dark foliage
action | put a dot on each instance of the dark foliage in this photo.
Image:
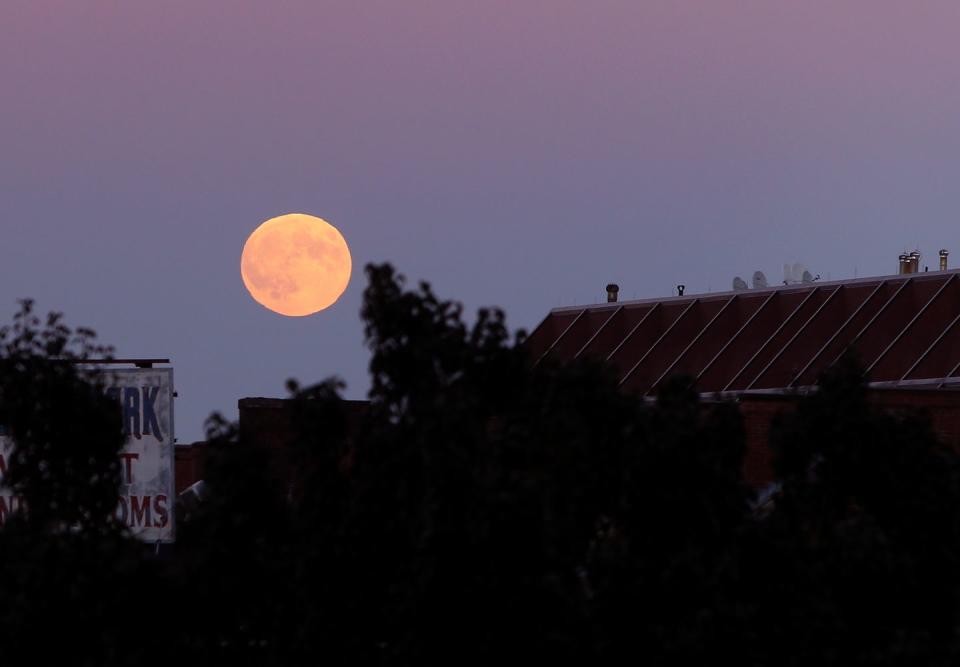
(485, 509)
(67, 432)
(68, 573)
(859, 563)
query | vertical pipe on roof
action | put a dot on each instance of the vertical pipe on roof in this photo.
(914, 262)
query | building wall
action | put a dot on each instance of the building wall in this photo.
(267, 423)
(759, 411)
(188, 464)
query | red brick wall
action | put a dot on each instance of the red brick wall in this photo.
(266, 422)
(758, 414)
(188, 464)
(942, 406)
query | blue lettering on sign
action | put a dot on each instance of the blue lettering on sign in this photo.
(138, 407)
(150, 423)
(131, 411)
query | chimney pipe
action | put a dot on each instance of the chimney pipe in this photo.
(914, 262)
(943, 259)
(680, 289)
(903, 264)
(612, 290)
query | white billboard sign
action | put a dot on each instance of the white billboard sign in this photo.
(145, 401)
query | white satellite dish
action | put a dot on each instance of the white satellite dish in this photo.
(759, 280)
(798, 270)
(739, 284)
(793, 273)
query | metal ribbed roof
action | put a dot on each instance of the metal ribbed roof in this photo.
(904, 328)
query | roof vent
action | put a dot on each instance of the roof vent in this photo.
(910, 262)
(943, 258)
(612, 290)
(915, 262)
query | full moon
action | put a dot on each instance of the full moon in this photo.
(295, 264)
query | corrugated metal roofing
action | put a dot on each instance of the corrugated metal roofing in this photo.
(904, 328)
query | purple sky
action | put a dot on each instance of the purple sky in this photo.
(512, 152)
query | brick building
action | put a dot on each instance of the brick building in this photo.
(759, 347)
(764, 347)
(267, 423)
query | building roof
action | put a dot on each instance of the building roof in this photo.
(904, 328)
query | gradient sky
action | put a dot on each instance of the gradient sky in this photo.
(512, 152)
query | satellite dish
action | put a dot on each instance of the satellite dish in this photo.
(807, 278)
(739, 284)
(797, 271)
(793, 273)
(759, 280)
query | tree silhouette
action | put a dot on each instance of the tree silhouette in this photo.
(858, 564)
(483, 508)
(67, 568)
(67, 433)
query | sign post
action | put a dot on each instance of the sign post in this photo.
(146, 494)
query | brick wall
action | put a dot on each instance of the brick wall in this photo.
(758, 413)
(188, 464)
(941, 406)
(266, 423)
